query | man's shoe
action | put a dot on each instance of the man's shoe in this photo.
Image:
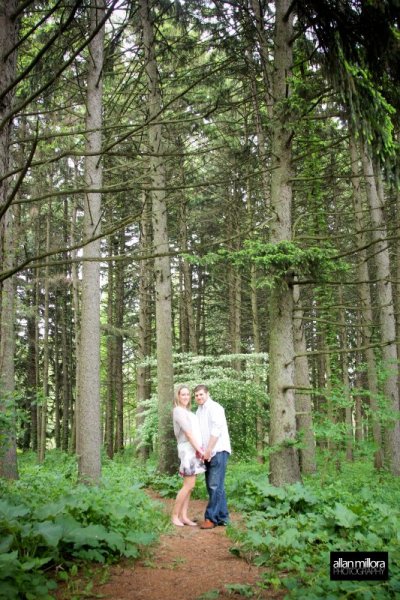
(207, 524)
(223, 523)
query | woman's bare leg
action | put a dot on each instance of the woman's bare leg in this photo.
(183, 515)
(182, 500)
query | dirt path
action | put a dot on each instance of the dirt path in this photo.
(187, 564)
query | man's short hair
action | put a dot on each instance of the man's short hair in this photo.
(199, 387)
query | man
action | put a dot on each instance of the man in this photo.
(217, 448)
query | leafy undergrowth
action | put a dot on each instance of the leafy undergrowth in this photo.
(49, 523)
(292, 530)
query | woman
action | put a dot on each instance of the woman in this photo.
(187, 433)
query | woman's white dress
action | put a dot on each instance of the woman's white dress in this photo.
(185, 420)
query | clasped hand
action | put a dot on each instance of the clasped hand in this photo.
(204, 455)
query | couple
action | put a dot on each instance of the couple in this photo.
(203, 447)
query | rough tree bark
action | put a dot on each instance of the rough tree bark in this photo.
(345, 378)
(386, 310)
(189, 340)
(76, 313)
(143, 384)
(119, 345)
(110, 401)
(163, 291)
(304, 418)
(366, 319)
(284, 460)
(8, 448)
(234, 276)
(89, 373)
(45, 387)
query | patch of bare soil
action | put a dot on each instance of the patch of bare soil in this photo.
(188, 563)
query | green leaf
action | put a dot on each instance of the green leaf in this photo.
(141, 538)
(50, 510)
(9, 590)
(290, 539)
(238, 588)
(35, 563)
(259, 540)
(5, 543)
(91, 535)
(9, 512)
(50, 532)
(115, 541)
(270, 491)
(344, 516)
(90, 554)
(121, 511)
(67, 522)
(290, 583)
(9, 564)
(131, 551)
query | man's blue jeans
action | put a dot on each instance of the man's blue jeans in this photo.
(217, 510)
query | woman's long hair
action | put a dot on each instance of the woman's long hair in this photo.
(178, 390)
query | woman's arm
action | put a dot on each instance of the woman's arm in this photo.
(182, 419)
(191, 439)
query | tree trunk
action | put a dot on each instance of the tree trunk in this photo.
(65, 422)
(327, 384)
(110, 402)
(8, 446)
(346, 379)
(397, 264)
(200, 311)
(57, 373)
(234, 277)
(163, 290)
(45, 387)
(70, 431)
(76, 313)
(303, 397)
(365, 303)
(37, 342)
(119, 347)
(31, 376)
(284, 461)
(143, 384)
(89, 372)
(190, 344)
(360, 378)
(386, 311)
(255, 321)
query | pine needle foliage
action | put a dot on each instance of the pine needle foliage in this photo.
(359, 44)
(282, 261)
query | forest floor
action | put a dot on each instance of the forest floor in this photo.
(188, 563)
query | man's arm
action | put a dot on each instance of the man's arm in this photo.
(217, 416)
(210, 446)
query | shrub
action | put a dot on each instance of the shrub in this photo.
(46, 521)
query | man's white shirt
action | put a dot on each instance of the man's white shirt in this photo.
(211, 416)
